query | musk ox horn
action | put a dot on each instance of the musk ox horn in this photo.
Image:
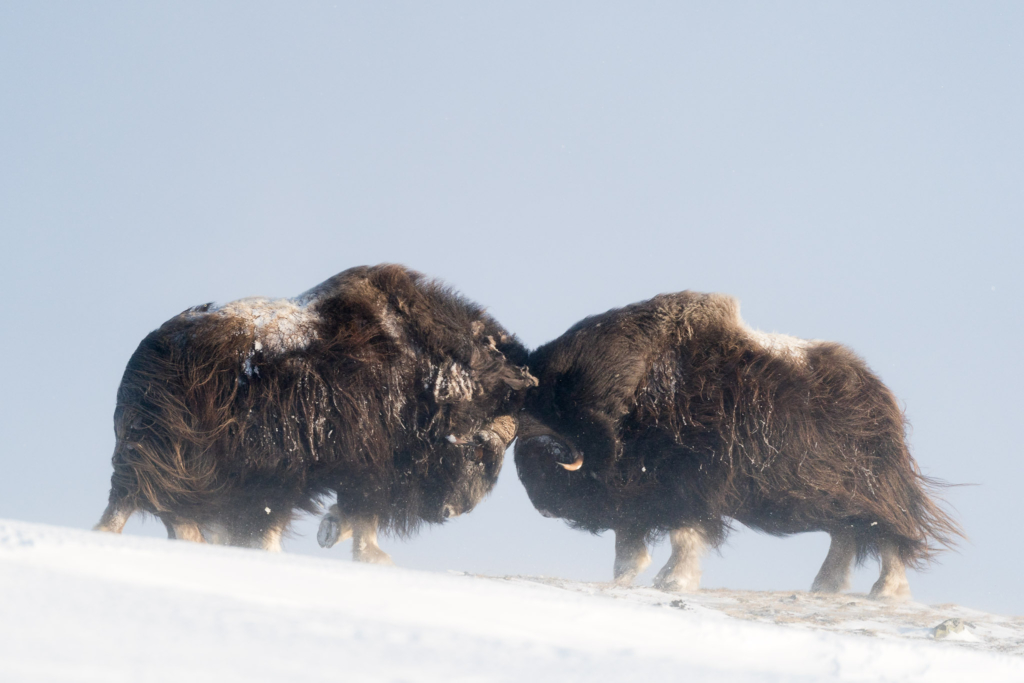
(505, 427)
(574, 465)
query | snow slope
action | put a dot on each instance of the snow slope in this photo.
(84, 606)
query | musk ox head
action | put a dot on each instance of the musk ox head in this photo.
(478, 393)
(552, 469)
(569, 452)
(466, 470)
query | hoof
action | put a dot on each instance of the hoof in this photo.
(333, 528)
(675, 584)
(678, 582)
(626, 572)
(624, 579)
(329, 532)
(372, 555)
(890, 591)
(827, 587)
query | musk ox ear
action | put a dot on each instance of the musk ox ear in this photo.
(489, 362)
(518, 379)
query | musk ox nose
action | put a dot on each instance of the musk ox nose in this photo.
(449, 511)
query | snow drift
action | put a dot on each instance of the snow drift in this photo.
(86, 606)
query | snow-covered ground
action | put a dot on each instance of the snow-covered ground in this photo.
(84, 606)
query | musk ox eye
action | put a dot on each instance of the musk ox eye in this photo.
(557, 451)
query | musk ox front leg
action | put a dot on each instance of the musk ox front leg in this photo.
(336, 527)
(631, 556)
(270, 540)
(834, 575)
(892, 584)
(681, 574)
(364, 542)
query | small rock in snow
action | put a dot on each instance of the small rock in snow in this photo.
(947, 628)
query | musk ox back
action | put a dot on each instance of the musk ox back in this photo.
(671, 415)
(379, 385)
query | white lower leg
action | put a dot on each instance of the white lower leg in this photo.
(272, 539)
(631, 556)
(185, 531)
(114, 518)
(364, 542)
(217, 533)
(682, 571)
(834, 575)
(892, 584)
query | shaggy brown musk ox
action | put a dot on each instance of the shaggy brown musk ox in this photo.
(671, 415)
(379, 385)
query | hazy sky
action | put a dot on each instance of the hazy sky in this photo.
(851, 172)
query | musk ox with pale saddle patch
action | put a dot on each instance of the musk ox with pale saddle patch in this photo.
(671, 415)
(379, 385)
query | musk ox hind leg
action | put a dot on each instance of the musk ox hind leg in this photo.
(631, 556)
(834, 575)
(364, 542)
(265, 532)
(261, 529)
(892, 583)
(334, 528)
(681, 574)
(115, 517)
(181, 530)
(271, 538)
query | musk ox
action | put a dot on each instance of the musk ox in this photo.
(671, 415)
(378, 385)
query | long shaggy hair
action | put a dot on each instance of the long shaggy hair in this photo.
(679, 415)
(379, 385)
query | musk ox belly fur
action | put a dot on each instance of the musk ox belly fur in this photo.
(673, 415)
(379, 385)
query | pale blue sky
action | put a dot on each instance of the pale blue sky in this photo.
(850, 172)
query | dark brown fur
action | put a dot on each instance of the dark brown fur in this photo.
(685, 420)
(217, 427)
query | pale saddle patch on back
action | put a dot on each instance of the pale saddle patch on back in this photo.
(722, 310)
(278, 325)
(781, 345)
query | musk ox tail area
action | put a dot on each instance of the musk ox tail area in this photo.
(159, 477)
(923, 529)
